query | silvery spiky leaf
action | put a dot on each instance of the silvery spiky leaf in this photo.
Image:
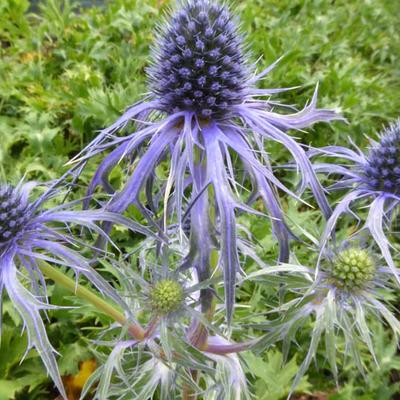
(203, 110)
(339, 299)
(139, 370)
(373, 180)
(30, 234)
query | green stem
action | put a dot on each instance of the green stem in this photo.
(58, 277)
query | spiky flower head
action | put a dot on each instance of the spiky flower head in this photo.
(198, 64)
(353, 268)
(14, 213)
(166, 296)
(383, 162)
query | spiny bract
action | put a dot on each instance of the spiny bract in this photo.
(13, 213)
(166, 296)
(383, 167)
(353, 268)
(198, 64)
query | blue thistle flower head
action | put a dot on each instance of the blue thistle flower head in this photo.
(14, 213)
(199, 63)
(382, 170)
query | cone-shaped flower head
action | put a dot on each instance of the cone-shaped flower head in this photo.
(353, 268)
(383, 162)
(166, 296)
(14, 213)
(198, 64)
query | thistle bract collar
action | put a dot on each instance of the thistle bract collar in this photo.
(198, 64)
(353, 268)
(13, 213)
(383, 163)
(166, 296)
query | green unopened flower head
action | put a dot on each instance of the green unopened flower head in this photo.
(166, 296)
(353, 268)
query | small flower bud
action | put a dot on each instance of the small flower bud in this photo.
(353, 268)
(166, 296)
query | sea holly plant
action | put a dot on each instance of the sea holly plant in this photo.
(203, 110)
(193, 156)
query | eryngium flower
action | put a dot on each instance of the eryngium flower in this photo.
(337, 312)
(14, 213)
(30, 235)
(203, 117)
(373, 179)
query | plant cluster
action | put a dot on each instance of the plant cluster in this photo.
(192, 161)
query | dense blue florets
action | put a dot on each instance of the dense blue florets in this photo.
(383, 168)
(13, 213)
(198, 63)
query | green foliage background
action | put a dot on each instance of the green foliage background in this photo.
(67, 71)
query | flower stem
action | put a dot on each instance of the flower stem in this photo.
(58, 277)
(188, 393)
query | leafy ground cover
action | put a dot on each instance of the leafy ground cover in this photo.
(67, 71)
